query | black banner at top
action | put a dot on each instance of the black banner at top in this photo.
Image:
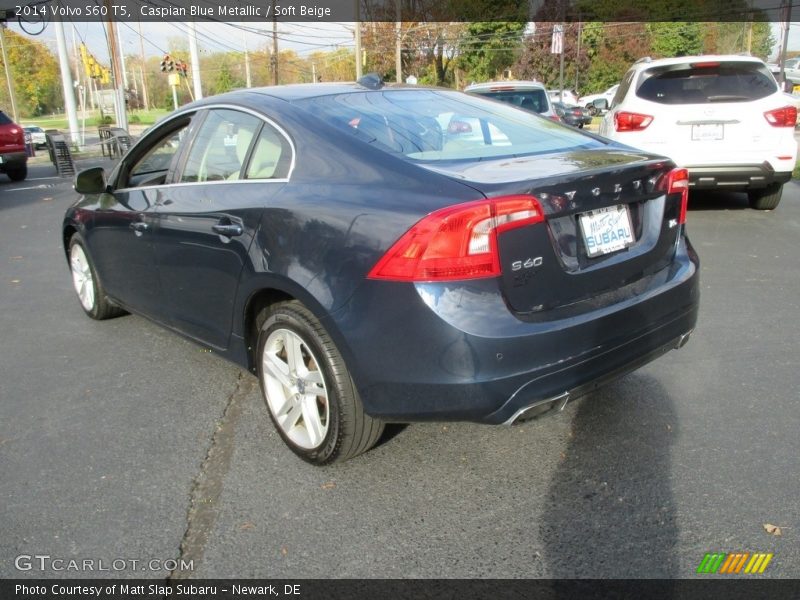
(37, 11)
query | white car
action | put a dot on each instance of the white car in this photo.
(724, 118)
(588, 100)
(567, 97)
(38, 137)
(528, 95)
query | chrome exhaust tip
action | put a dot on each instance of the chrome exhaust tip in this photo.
(682, 341)
(540, 407)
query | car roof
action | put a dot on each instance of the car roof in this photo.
(646, 63)
(509, 85)
(301, 91)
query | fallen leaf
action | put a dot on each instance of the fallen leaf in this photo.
(328, 486)
(284, 550)
(246, 526)
(15, 281)
(669, 427)
(772, 529)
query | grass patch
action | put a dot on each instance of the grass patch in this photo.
(796, 172)
(139, 117)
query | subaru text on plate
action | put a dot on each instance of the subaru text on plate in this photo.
(372, 259)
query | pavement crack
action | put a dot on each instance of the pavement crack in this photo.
(207, 485)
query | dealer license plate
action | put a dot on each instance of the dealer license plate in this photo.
(708, 132)
(606, 230)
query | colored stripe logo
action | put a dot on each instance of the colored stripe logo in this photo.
(734, 563)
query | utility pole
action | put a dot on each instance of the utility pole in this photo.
(787, 10)
(359, 66)
(122, 61)
(247, 64)
(313, 73)
(116, 71)
(274, 57)
(141, 71)
(66, 82)
(10, 80)
(195, 57)
(398, 45)
(578, 55)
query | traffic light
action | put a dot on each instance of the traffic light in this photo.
(182, 67)
(167, 64)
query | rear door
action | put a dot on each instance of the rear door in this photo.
(209, 218)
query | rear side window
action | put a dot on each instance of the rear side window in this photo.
(4, 120)
(532, 100)
(433, 125)
(702, 83)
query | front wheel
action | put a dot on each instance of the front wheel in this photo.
(84, 279)
(311, 397)
(767, 198)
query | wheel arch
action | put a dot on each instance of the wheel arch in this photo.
(269, 292)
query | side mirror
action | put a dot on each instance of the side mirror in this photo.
(601, 104)
(91, 181)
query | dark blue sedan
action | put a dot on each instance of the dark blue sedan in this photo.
(388, 254)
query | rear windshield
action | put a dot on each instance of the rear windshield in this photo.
(533, 100)
(701, 83)
(433, 125)
(4, 120)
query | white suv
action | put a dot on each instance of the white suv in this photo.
(724, 118)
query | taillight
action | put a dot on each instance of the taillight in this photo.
(555, 118)
(782, 117)
(678, 183)
(630, 121)
(457, 242)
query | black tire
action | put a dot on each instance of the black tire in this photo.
(18, 173)
(350, 431)
(767, 198)
(101, 308)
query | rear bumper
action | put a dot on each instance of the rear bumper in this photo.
(735, 177)
(434, 352)
(12, 160)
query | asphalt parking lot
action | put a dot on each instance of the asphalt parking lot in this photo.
(122, 441)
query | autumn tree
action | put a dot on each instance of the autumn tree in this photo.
(36, 76)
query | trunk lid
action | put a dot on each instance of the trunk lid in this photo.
(599, 200)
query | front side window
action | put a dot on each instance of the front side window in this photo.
(151, 167)
(220, 147)
(433, 125)
(534, 100)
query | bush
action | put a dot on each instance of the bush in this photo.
(134, 119)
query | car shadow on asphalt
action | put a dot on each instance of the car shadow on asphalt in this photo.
(610, 510)
(702, 200)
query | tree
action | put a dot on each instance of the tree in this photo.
(675, 39)
(487, 48)
(36, 76)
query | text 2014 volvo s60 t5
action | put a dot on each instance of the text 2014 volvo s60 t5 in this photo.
(381, 254)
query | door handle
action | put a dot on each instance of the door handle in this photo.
(227, 229)
(139, 226)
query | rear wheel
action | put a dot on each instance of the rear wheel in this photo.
(308, 390)
(767, 198)
(18, 173)
(84, 279)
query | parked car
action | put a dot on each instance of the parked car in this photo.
(723, 118)
(13, 158)
(572, 115)
(590, 101)
(369, 265)
(38, 136)
(528, 95)
(567, 97)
